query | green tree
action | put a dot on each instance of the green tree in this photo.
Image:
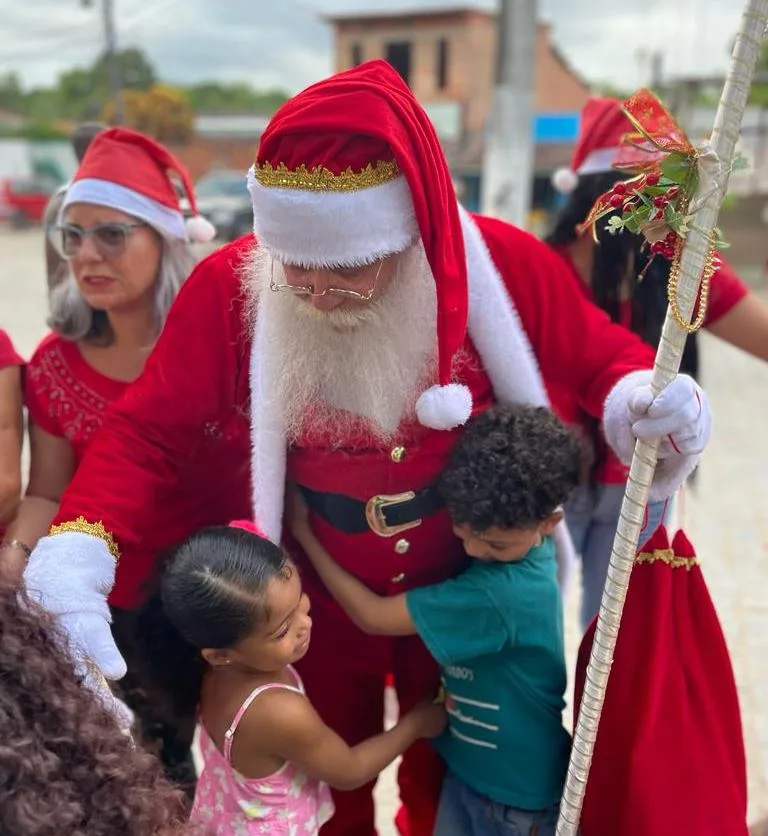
(84, 91)
(213, 97)
(11, 93)
(162, 112)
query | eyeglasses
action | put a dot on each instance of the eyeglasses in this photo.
(343, 292)
(110, 239)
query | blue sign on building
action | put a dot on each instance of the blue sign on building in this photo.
(555, 127)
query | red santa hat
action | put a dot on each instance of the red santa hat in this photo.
(348, 172)
(351, 170)
(130, 172)
(603, 126)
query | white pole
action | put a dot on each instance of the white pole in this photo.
(508, 159)
(694, 260)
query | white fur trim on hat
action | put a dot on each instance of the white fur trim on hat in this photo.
(168, 222)
(333, 229)
(444, 407)
(200, 230)
(565, 180)
(599, 161)
(268, 440)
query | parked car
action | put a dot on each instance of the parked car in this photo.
(23, 199)
(222, 197)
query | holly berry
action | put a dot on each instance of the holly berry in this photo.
(669, 251)
(657, 248)
(673, 192)
(616, 200)
(620, 188)
(660, 201)
(653, 178)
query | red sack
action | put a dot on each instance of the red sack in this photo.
(669, 757)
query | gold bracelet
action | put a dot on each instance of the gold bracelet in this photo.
(16, 544)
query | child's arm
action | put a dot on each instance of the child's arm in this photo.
(288, 727)
(380, 615)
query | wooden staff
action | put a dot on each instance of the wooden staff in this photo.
(694, 262)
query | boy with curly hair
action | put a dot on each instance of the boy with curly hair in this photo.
(496, 629)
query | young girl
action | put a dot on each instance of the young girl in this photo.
(230, 622)
(65, 765)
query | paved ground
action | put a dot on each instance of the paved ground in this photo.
(725, 515)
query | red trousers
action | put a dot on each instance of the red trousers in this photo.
(344, 673)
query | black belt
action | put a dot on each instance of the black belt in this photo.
(385, 515)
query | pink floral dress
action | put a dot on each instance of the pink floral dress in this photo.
(285, 803)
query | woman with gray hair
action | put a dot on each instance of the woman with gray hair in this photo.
(126, 243)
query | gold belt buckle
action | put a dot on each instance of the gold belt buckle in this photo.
(374, 513)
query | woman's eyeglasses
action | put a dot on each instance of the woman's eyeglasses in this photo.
(110, 239)
(351, 278)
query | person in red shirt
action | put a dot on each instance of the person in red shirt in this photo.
(344, 348)
(607, 274)
(11, 432)
(124, 239)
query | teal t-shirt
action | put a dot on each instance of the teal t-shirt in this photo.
(497, 632)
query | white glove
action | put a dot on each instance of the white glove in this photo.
(70, 575)
(679, 416)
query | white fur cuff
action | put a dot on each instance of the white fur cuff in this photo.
(617, 421)
(566, 557)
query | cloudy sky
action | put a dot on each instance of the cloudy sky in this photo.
(283, 43)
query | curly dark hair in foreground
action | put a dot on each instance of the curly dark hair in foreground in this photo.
(512, 467)
(66, 769)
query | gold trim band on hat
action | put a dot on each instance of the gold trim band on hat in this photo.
(321, 179)
(82, 526)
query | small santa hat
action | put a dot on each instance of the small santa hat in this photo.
(603, 126)
(350, 171)
(128, 171)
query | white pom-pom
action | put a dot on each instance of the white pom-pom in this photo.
(200, 230)
(444, 407)
(565, 180)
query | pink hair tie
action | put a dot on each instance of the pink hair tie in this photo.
(250, 527)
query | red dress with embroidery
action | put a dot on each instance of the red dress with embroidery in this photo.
(8, 359)
(65, 396)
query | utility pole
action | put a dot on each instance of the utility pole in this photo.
(509, 148)
(113, 64)
(114, 73)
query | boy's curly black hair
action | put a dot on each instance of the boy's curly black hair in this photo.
(66, 769)
(512, 467)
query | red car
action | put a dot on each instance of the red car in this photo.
(23, 199)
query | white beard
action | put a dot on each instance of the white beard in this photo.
(353, 372)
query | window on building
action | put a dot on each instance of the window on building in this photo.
(442, 63)
(399, 56)
(357, 54)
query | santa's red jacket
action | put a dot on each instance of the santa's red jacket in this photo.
(174, 452)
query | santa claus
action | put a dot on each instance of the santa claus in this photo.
(343, 348)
